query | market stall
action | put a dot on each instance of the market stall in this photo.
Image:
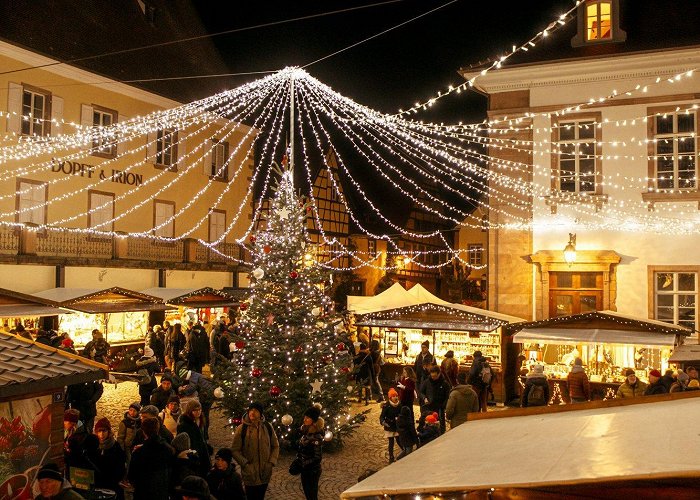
(608, 342)
(191, 304)
(31, 312)
(607, 450)
(32, 381)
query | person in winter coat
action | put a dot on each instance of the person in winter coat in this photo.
(97, 349)
(476, 379)
(151, 412)
(376, 354)
(656, 385)
(462, 400)
(156, 341)
(151, 465)
(310, 451)
(168, 345)
(224, 348)
(74, 436)
(390, 412)
(175, 343)
(680, 383)
(200, 387)
(84, 397)
(433, 393)
(667, 379)
(162, 394)
(632, 387)
(579, 386)
(110, 460)
(128, 427)
(224, 482)
(362, 367)
(147, 367)
(406, 428)
(256, 449)
(186, 461)
(198, 354)
(192, 422)
(53, 486)
(431, 429)
(171, 414)
(407, 387)
(450, 368)
(536, 391)
(424, 357)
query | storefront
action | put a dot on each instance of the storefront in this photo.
(607, 342)
(191, 304)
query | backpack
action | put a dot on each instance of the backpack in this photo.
(536, 396)
(267, 426)
(485, 373)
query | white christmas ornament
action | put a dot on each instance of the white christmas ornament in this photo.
(328, 436)
(316, 386)
(316, 311)
(287, 419)
(258, 273)
(350, 388)
(283, 213)
(218, 393)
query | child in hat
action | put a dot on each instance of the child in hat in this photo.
(390, 412)
(431, 429)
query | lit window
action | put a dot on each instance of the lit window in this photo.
(674, 156)
(577, 158)
(166, 147)
(219, 156)
(34, 113)
(31, 201)
(476, 254)
(372, 248)
(103, 145)
(676, 298)
(598, 20)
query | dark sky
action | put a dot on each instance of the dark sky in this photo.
(392, 71)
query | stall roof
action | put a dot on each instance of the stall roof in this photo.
(685, 352)
(565, 336)
(193, 297)
(582, 446)
(391, 298)
(15, 304)
(28, 367)
(109, 300)
(431, 316)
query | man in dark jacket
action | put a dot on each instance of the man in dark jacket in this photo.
(151, 412)
(433, 395)
(84, 398)
(656, 385)
(476, 379)
(198, 354)
(424, 357)
(162, 393)
(151, 462)
(224, 481)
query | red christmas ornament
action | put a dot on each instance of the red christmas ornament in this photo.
(297, 349)
(236, 421)
(239, 344)
(341, 347)
(275, 391)
(294, 275)
(267, 249)
(256, 372)
(244, 306)
(252, 238)
(345, 369)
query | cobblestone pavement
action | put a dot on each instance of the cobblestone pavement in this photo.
(365, 449)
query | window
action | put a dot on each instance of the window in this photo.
(217, 224)
(219, 157)
(101, 210)
(676, 297)
(105, 146)
(163, 218)
(372, 248)
(598, 20)
(35, 111)
(31, 201)
(674, 155)
(166, 148)
(476, 254)
(576, 144)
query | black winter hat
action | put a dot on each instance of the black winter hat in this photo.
(194, 486)
(313, 413)
(225, 454)
(50, 471)
(256, 406)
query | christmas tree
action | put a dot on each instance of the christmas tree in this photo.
(292, 352)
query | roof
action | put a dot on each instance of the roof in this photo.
(28, 367)
(193, 297)
(109, 300)
(16, 304)
(650, 25)
(621, 440)
(685, 353)
(391, 298)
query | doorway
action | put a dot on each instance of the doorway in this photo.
(575, 293)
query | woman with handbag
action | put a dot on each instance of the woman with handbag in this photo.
(310, 450)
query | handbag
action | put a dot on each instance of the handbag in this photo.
(296, 467)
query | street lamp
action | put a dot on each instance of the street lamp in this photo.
(570, 250)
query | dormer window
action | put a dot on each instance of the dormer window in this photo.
(598, 22)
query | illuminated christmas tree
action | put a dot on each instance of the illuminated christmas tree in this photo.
(292, 352)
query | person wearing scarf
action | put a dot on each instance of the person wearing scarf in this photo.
(110, 460)
(310, 451)
(390, 412)
(170, 415)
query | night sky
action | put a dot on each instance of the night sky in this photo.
(392, 71)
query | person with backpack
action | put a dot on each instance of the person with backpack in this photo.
(480, 376)
(433, 394)
(462, 400)
(536, 391)
(256, 450)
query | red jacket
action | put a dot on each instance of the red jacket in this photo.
(407, 394)
(579, 387)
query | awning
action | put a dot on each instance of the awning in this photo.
(685, 352)
(15, 304)
(96, 301)
(592, 336)
(193, 297)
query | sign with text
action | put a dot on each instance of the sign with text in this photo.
(93, 172)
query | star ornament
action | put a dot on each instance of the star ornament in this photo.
(284, 213)
(316, 386)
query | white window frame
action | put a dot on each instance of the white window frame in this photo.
(372, 248)
(101, 210)
(219, 156)
(104, 146)
(676, 293)
(676, 137)
(217, 224)
(162, 211)
(476, 254)
(32, 125)
(577, 156)
(31, 201)
(166, 148)
(597, 4)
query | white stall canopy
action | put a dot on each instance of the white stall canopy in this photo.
(19, 305)
(566, 336)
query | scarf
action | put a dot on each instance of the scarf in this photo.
(107, 444)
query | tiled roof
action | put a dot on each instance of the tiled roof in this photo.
(27, 367)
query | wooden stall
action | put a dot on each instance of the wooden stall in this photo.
(32, 381)
(31, 312)
(204, 304)
(608, 342)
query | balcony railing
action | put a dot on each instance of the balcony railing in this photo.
(27, 240)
